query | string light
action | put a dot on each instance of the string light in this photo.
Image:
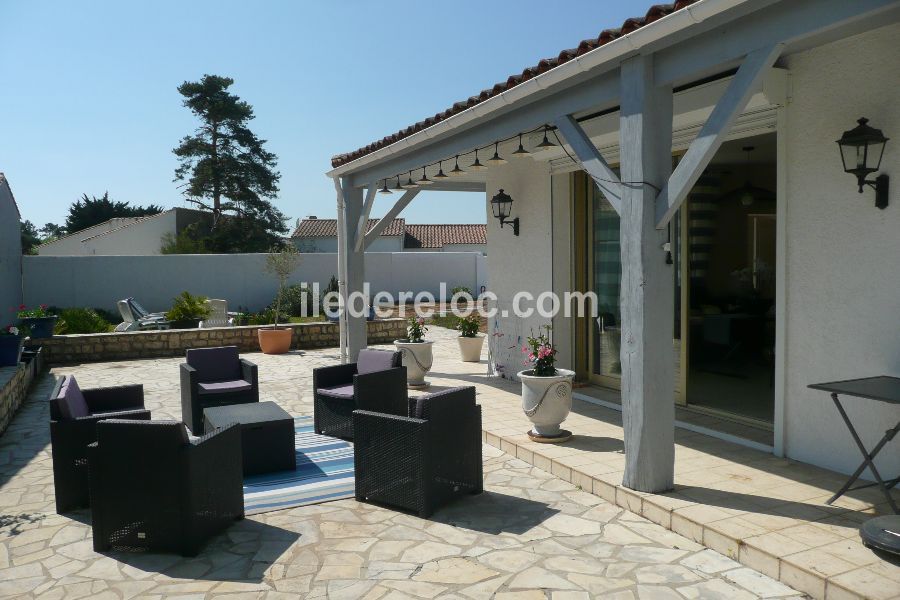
(424, 180)
(456, 171)
(521, 152)
(409, 185)
(384, 190)
(477, 166)
(398, 187)
(545, 144)
(440, 173)
(496, 159)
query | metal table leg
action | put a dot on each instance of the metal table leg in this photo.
(868, 460)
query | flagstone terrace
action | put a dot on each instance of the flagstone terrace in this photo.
(554, 521)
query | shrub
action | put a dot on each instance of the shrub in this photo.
(468, 326)
(187, 307)
(292, 298)
(281, 262)
(81, 320)
(460, 289)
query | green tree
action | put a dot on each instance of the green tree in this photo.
(30, 237)
(52, 231)
(226, 169)
(88, 212)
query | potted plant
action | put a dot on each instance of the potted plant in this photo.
(546, 390)
(10, 346)
(470, 341)
(39, 320)
(187, 311)
(281, 262)
(416, 350)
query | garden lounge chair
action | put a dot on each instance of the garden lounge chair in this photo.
(218, 315)
(138, 319)
(153, 488)
(376, 382)
(215, 377)
(74, 414)
(422, 461)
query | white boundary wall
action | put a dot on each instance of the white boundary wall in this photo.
(98, 281)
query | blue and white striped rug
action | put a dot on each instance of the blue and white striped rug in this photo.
(324, 472)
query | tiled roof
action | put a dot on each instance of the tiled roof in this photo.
(655, 13)
(328, 228)
(437, 236)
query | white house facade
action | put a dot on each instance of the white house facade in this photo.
(10, 250)
(734, 261)
(314, 235)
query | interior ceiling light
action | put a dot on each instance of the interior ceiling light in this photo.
(496, 159)
(520, 152)
(440, 173)
(545, 144)
(456, 171)
(477, 166)
(749, 193)
(424, 180)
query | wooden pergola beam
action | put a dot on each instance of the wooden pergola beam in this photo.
(386, 220)
(364, 217)
(591, 160)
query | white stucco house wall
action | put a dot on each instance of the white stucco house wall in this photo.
(128, 236)
(836, 277)
(10, 250)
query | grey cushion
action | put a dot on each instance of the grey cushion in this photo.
(345, 392)
(215, 364)
(224, 387)
(370, 361)
(71, 402)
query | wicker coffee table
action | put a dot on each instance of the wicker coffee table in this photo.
(267, 434)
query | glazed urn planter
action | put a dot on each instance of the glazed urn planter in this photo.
(547, 402)
(41, 327)
(417, 358)
(10, 349)
(470, 347)
(274, 340)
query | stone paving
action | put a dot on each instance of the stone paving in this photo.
(530, 535)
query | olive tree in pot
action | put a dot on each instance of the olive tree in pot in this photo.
(546, 390)
(416, 351)
(470, 341)
(281, 261)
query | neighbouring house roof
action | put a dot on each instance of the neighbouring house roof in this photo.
(655, 13)
(122, 223)
(438, 236)
(5, 181)
(308, 228)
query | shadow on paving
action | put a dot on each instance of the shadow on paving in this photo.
(242, 553)
(28, 433)
(495, 513)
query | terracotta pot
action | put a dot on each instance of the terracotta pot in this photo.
(417, 359)
(547, 400)
(470, 347)
(274, 340)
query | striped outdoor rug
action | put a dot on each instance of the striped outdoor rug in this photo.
(324, 472)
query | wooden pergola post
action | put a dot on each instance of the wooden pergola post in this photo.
(352, 257)
(647, 290)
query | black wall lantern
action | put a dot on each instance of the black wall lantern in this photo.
(861, 150)
(501, 204)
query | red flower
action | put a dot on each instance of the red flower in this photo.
(21, 307)
(43, 306)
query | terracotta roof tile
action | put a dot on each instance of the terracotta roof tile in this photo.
(328, 228)
(437, 236)
(655, 13)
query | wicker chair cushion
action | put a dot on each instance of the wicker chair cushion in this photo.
(71, 402)
(224, 387)
(215, 364)
(421, 408)
(370, 361)
(345, 392)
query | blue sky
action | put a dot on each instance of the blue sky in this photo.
(89, 104)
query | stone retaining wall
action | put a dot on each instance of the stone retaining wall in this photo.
(14, 385)
(99, 347)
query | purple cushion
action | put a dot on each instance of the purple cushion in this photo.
(345, 392)
(224, 387)
(370, 361)
(71, 402)
(215, 364)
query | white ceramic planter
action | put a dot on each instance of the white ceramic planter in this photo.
(547, 401)
(470, 347)
(417, 358)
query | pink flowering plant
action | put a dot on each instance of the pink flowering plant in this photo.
(37, 312)
(540, 353)
(415, 330)
(9, 330)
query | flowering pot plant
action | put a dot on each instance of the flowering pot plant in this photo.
(546, 390)
(40, 320)
(416, 351)
(10, 346)
(470, 341)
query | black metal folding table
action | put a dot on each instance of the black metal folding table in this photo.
(881, 389)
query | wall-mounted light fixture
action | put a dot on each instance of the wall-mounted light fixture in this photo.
(861, 150)
(501, 204)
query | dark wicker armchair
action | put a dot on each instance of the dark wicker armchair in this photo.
(215, 377)
(153, 488)
(376, 382)
(74, 414)
(422, 461)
